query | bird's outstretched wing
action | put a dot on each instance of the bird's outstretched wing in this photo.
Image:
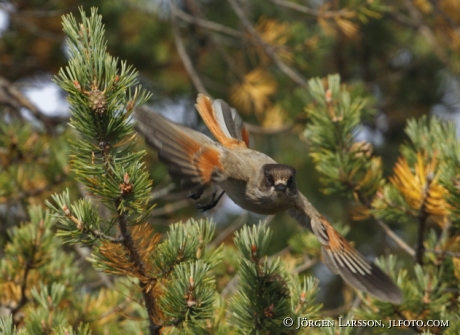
(191, 156)
(223, 121)
(343, 259)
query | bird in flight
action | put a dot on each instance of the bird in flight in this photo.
(255, 182)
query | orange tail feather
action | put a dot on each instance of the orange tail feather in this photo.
(205, 107)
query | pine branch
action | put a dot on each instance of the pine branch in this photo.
(30, 264)
(128, 242)
(267, 294)
(103, 157)
(33, 260)
(88, 229)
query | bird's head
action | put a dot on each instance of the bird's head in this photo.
(280, 179)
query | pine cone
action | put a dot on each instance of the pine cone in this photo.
(97, 101)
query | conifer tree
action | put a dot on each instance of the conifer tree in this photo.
(181, 283)
(417, 194)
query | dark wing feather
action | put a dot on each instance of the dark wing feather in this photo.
(191, 156)
(343, 259)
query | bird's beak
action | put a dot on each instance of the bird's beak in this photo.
(280, 187)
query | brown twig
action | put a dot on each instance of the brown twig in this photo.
(36, 30)
(444, 252)
(425, 30)
(11, 96)
(84, 253)
(290, 72)
(254, 129)
(183, 52)
(37, 191)
(121, 306)
(24, 299)
(420, 234)
(198, 83)
(135, 257)
(444, 234)
(399, 241)
(170, 208)
(236, 224)
(173, 207)
(207, 24)
(403, 19)
(305, 266)
(88, 230)
(44, 13)
(422, 218)
(99, 234)
(29, 265)
(194, 8)
(158, 193)
(387, 230)
(306, 10)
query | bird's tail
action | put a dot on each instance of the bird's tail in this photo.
(223, 121)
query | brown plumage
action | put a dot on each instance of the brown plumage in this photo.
(255, 182)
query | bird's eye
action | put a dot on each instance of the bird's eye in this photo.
(290, 181)
(270, 180)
